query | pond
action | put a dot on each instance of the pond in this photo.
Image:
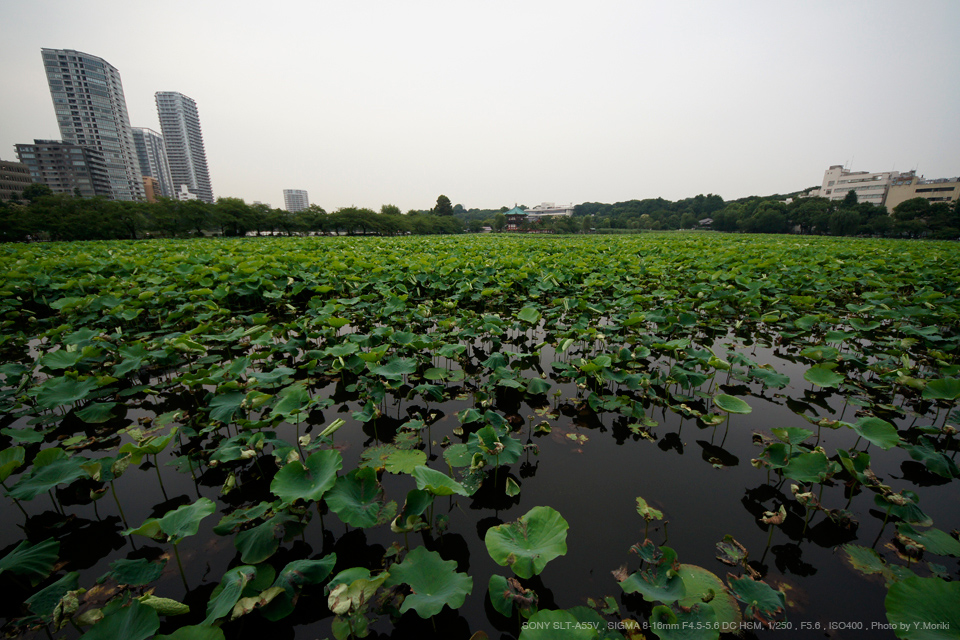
(782, 401)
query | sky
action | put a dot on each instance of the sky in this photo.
(497, 103)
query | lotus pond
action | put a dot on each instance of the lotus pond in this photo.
(673, 436)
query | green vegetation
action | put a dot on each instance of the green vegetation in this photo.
(350, 428)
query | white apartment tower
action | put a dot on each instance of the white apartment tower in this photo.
(869, 187)
(92, 112)
(295, 200)
(153, 159)
(180, 124)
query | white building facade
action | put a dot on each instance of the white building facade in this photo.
(549, 210)
(183, 140)
(91, 112)
(295, 200)
(153, 159)
(869, 187)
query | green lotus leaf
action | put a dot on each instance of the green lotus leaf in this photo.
(823, 377)
(164, 606)
(291, 579)
(660, 582)
(435, 582)
(904, 505)
(357, 498)
(44, 477)
(933, 540)
(924, 608)
(32, 561)
(942, 389)
(809, 467)
(135, 572)
(437, 483)
(528, 544)
(194, 632)
(458, 455)
(45, 601)
(770, 378)
(29, 435)
(227, 593)
(97, 412)
(292, 401)
(731, 404)
(61, 359)
(57, 392)
(135, 621)
(405, 460)
(260, 542)
(177, 524)
(551, 624)
(299, 481)
(537, 386)
(499, 590)
(877, 431)
(487, 440)
(530, 315)
(791, 435)
(702, 585)
(936, 461)
(11, 459)
(700, 622)
(224, 407)
(395, 368)
(764, 603)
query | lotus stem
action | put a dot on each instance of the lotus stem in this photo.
(54, 500)
(156, 467)
(882, 527)
(183, 576)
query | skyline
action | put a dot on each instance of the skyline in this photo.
(500, 103)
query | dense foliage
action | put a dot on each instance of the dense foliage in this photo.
(361, 418)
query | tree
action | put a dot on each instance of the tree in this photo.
(390, 210)
(36, 190)
(499, 222)
(443, 208)
(849, 200)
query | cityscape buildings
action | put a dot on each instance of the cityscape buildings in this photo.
(69, 168)
(295, 200)
(180, 125)
(14, 176)
(869, 187)
(153, 160)
(91, 111)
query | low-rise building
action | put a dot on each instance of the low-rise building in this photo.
(67, 168)
(14, 176)
(939, 190)
(869, 187)
(549, 210)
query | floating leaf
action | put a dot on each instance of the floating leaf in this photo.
(435, 582)
(405, 460)
(135, 572)
(701, 585)
(791, 435)
(731, 552)
(357, 499)
(648, 512)
(933, 540)
(528, 544)
(764, 603)
(135, 621)
(823, 377)
(659, 583)
(877, 431)
(437, 483)
(942, 389)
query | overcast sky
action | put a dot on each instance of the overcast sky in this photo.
(494, 103)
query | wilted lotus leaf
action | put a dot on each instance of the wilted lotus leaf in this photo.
(659, 583)
(507, 592)
(764, 603)
(648, 512)
(776, 519)
(731, 552)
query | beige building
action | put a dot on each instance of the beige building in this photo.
(942, 190)
(14, 176)
(869, 187)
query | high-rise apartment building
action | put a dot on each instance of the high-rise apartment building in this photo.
(14, 178)
(92, 112)
(68, 168)
(153, 160)
(180, 124)
(295, 200)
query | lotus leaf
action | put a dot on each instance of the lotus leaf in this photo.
(528, 544)
(809, 467)
(648, 512)
(260, 542)
(11, 459)
(437, 483)
(357, 499)
(933, 540)
(228, 592)
(764, 603)
(942, 389)
(659, 583)
(307, 481)
(47, 473)
(731, 404)
(435, 582)
(823, 377)
(135, 572)
(177, 524)
(194, 632)
(791, 435)
(699, 622)
(405, 460)
(164, 606)
(877, 431)
(292, 578)
(701, 585)
(44, 601)
(924, 608)
(57, 392)
(135, 621)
